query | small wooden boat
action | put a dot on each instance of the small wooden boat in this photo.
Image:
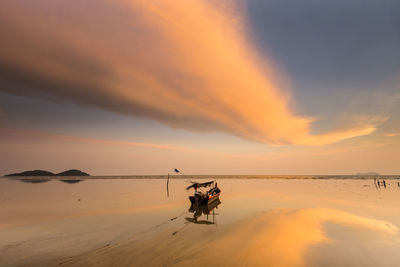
(207, 197)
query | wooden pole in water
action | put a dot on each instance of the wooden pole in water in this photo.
(167, 185)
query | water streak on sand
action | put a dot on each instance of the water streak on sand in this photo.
(280, 237)
(125, 222)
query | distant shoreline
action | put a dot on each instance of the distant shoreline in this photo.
(194, 177)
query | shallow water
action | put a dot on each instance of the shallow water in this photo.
(279, 222)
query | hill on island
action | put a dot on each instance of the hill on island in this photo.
(72, 173)
(47, 173)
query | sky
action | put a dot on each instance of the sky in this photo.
(209, 87)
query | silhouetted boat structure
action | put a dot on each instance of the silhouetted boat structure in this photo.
(206, 209)
(200, 197)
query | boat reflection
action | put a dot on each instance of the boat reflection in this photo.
(203, 209)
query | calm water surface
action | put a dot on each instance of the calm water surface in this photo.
(311, 222)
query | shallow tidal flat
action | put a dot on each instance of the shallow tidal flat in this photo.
(259, 222)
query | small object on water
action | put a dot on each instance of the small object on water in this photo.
(176, 171)
(167, 186)
(174, 233)
(79, 199)
(204, 197)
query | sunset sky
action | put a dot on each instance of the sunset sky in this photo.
(208, 87)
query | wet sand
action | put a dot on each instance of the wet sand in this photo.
(131, 222)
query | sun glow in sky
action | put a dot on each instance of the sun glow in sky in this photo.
(255, 87)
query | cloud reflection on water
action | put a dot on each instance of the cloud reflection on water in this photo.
(279, 237)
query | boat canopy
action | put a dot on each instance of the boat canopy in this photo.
(196, 185)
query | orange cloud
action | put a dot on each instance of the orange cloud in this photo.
(187, 64)
(20, 135)
(392, 134)
(335, 136)
(46, 136)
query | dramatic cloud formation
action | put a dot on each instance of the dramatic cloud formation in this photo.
(186, 64)
(392, 134)
(28, 135)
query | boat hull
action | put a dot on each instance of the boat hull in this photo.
(205, 200)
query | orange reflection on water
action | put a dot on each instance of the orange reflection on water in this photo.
(281, 237)
(272, 222)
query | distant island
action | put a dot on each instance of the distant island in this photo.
(47, 173)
